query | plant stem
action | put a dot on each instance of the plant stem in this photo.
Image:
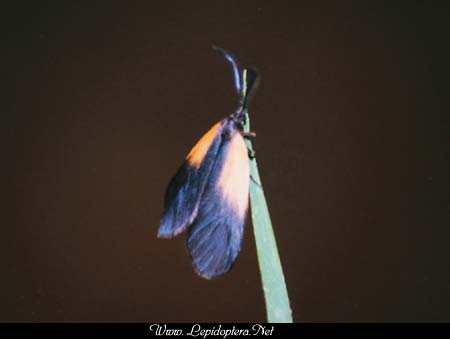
(274, 286)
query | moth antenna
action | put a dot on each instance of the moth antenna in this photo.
(237, 74)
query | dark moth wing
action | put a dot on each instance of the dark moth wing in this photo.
(215, 237)
(209, 194)
(185, 189)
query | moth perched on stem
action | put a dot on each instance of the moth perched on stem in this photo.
(209, 194)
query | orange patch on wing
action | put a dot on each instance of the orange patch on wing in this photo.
(234, 179)
(198, 152)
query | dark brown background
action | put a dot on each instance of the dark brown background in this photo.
(101, 103)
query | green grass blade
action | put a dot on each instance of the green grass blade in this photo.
(274, 285)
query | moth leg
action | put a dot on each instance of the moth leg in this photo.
(251, 153)
(255, 182)
(249, 135)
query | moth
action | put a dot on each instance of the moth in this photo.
(209, 194)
